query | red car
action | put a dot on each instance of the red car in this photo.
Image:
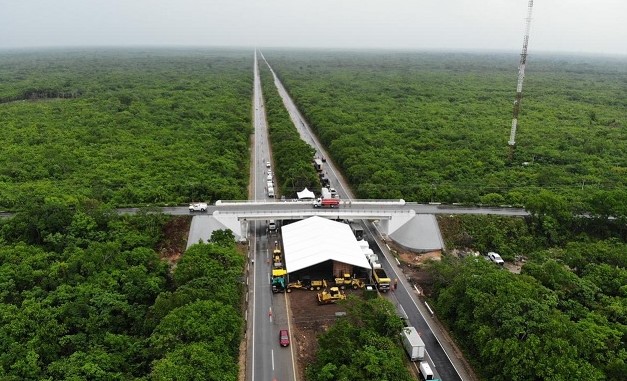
(284, 338)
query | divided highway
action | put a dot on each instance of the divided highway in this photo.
(440, 352)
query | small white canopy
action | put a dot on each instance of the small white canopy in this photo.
(306, 194)
(316, 240)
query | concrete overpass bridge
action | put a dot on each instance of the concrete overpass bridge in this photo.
(395, 219)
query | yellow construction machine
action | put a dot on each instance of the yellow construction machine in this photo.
(347, 281)
(333, 295)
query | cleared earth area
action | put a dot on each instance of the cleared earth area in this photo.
(308, 321)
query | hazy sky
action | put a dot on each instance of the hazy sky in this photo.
(587, 26)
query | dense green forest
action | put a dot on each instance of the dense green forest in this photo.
(434, 126)
(292, 156)
(562, 318)
(125, 127)
(363, 346)
(85, 296)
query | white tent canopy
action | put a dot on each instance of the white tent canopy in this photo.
(316, 240)
(306, 194)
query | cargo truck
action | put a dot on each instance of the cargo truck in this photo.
(326, 203)
(318, 164)
(413, 343)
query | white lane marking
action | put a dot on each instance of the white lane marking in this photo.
(376, 239)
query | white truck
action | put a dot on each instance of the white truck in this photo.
(414, 346)
(198, 207)
(496, 258)
(425, 371)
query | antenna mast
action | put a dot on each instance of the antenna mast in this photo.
(521, 77)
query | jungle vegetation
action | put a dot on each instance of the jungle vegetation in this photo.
(433, 127)
(292, 156)
(362, 346)
(85, 296)
(563, 317)
(124, 127)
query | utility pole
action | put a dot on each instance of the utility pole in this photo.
(521, 77)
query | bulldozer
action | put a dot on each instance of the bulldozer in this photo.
(333, 295)
(347, 281)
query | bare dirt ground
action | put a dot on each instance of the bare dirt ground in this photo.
(308, 321)
(175, 233)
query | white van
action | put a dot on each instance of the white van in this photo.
(271, 192)
(269, 178)
(272, 225)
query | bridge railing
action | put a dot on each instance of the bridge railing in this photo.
(378, 213)
(294, 200)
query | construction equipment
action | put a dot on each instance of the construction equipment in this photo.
(347, 281)
(333, 295)
(317, 284)
(278, 281)
(277, 260)
(295, 285)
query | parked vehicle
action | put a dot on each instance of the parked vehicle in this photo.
(357, 231)
(414, 346)
(198, 207)
(494, 257)
(272, 226)
(348, 281)
(324, 180)
(318, 164)
(333, 295)
(380, 278)
(278, 280)
(425, 371)
(271, 192)
(284, 338)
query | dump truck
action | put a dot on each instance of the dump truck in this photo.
(348, 281)
(414, 346)
(380, 278)
(333, 295)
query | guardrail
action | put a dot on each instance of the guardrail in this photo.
(379, 213)
(343, 201)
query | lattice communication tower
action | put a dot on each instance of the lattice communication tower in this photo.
(521, 77)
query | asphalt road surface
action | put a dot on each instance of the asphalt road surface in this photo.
(267, 314)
